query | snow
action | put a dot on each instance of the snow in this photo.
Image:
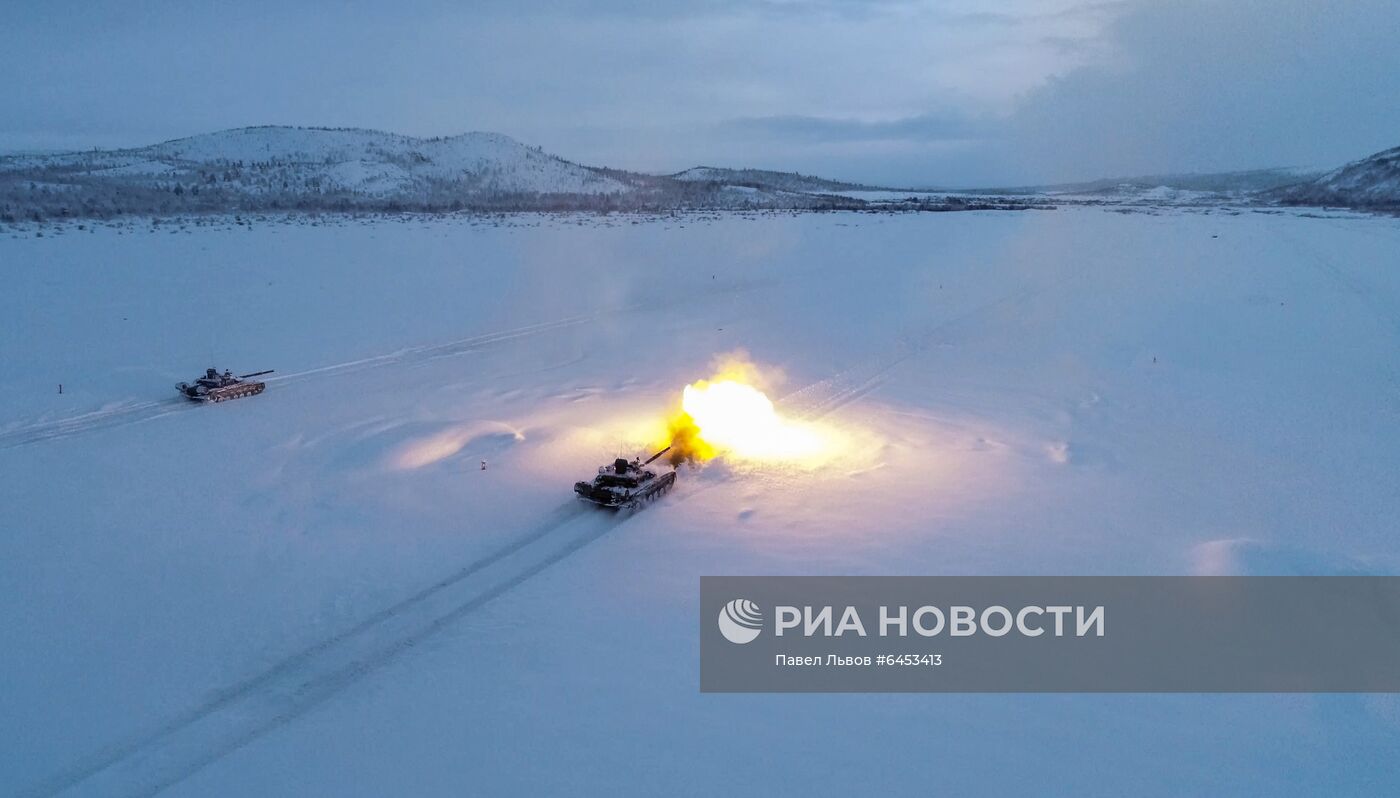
(142, 168)
(889, 196)
(1174, 195)
(375, 179)
(318, 591)
(703, 173)
(1128, 194)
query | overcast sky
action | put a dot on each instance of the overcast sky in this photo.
(930, 92)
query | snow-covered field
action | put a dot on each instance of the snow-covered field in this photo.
(318, 591)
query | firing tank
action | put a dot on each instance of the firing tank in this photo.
(216, 387)
(626, 483)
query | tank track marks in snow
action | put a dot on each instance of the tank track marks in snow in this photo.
(246, 711)
(828, 395)
(70, 426)
(169, 753)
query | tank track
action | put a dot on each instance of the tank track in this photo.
(664, 483)
(236, 391)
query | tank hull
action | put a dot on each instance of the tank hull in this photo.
(616, 498)
(199, 393)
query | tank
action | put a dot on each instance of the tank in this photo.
(216, 387)
(626, 483)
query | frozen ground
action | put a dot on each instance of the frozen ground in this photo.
(319, 592)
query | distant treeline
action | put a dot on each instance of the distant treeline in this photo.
(43, 194)
(103, 185)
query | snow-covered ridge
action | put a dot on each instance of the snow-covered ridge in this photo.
(279, 169)
(340, 169)
(1373, 182)
(1236, 184)
(328, 160)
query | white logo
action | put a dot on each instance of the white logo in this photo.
(740, 621)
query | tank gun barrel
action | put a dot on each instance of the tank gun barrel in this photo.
(658, 454)
(255, 374)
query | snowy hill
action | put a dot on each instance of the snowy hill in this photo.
(371, 161)
(323, 169)
(259, 158)
(1372, 182)
(286, 167)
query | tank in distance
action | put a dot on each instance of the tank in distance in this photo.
(217, 387)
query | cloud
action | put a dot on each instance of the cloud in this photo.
(539, 71)
(949, 126)
(1181, 86)
(1207, 85)
(1145, 87)
(900, 92)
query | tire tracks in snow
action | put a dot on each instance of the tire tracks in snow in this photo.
(235, 716)
(829, 395)
(1347, 281)
(138, 412)
(120, 415)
